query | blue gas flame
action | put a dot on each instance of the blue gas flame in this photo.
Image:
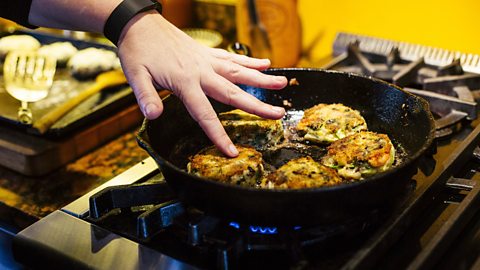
(263, 230)
(235, 225)
(260, 229)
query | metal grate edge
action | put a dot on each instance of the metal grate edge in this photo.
(408, 51)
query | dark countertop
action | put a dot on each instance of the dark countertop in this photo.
(35, 197)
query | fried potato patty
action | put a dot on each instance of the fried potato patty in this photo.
(361, 154)
(249, 129)
(326, 123)
(302, 172)
(246, 169)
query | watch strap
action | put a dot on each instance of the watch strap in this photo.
(123, 13)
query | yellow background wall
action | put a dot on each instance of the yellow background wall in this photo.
(448, 24)
(453, 25)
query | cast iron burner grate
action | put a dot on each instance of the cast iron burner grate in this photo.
(150, 214)
(437, 75)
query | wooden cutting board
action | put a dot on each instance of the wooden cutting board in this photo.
(34, 155)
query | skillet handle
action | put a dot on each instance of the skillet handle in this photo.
(239, 48)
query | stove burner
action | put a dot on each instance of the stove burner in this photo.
(148, 212)
(450, 91)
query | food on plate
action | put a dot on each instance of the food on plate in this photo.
(62, 51)
(360, 155)
(249, 129)
(326, 123)
(246, 169)
(303, 172)
(18, 43)
(88, 63)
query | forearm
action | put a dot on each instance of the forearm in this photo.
(82, 15)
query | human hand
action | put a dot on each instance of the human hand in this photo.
(155, 55)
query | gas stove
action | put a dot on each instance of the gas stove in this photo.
(134, 221)
(446, 79)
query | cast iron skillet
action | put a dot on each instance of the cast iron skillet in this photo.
(406, 118)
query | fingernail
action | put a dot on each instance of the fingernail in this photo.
(150, 109)
(233, 150)
(281, 79)
(278, 110)
(266, 61)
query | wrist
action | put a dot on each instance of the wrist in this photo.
(125, 13)
(142, 23)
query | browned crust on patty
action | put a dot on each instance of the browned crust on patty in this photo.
(245, 169)
(249, 129)
(303, 172)
(326, 123)
(365, 151)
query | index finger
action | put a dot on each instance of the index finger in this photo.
(202, 111)
(246, 61)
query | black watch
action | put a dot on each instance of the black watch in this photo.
(123, 13)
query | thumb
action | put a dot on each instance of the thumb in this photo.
(147, 96)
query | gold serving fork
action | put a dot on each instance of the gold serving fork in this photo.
(28, 78)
